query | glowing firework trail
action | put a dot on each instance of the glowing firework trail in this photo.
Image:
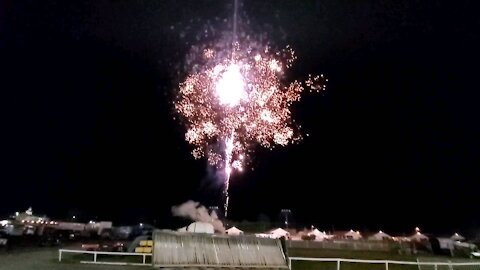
(237, 99)
(236, 89)
(228, 170)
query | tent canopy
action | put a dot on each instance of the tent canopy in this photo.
(318, 233)
(353, 235)
(319, 236)
(200, 227)
(234, 231)
(379, 236)
(418, 236)
(457, 237)
(279, 232)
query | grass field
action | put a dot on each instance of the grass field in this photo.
(371, 255)
(47, 259)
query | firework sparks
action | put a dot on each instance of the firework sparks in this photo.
(240, 101)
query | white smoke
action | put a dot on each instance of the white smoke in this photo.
(197, 212)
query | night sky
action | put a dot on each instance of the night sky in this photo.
(87, 122)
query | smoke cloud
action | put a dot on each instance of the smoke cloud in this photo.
(197, 212)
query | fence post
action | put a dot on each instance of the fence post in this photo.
(450, 266)
(386, 265)
(144, 258)
(290, 263)
(338, 264)
(95, 256)
(59, 255)
(435, 266)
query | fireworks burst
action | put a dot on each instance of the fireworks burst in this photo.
(238, 100)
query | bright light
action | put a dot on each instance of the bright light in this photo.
(231, 86)
(242, 98)
(73, 217)
(275, 66)
(141, 224)
(16, 214)
(266, 115)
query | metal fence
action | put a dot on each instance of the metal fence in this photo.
(352, 264)
(174, 249)
(95, 259)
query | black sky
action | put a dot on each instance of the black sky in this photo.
(87, 121)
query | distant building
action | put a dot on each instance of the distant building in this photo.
(71, 226)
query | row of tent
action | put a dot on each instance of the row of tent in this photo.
(351, 235)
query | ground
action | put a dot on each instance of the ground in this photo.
(371, 255)
(47, 259)
(43, 259)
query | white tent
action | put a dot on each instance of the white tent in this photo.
(457, 237)
(379, 236)
(353, 235)
(234, 231)
(201, 227)
(319, 236)
(279, 232)
(418, 236)
(446, 243)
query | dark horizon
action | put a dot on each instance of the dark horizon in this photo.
(88, 122)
